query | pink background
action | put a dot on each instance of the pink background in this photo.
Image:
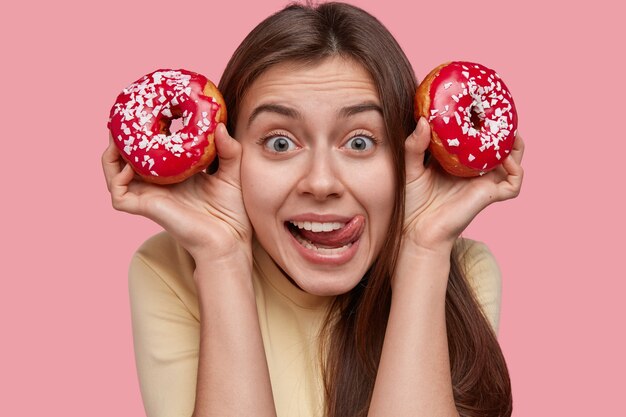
(65, 323)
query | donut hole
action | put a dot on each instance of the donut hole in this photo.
(175, 125)
(170, 125)
(477, 117)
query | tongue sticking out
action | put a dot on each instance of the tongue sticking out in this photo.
(336, 238)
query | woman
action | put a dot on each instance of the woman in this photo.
(319, 270)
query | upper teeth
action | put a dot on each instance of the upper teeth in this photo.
(318, 227)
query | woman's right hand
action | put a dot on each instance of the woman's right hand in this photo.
(205, 213)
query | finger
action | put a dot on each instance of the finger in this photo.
(111, 162)
(518, 149)
(510, 188)
(228, 151)
(228, 148)
(120, 197)
(415, 147)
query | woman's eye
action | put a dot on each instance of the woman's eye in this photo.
(360, 143)
(280, 144)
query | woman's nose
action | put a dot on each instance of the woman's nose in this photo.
(320, 179)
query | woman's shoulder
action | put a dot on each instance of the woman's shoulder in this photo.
(473, 253)
(162, 248)
(163, 254)
(483, 274)
(161, 265)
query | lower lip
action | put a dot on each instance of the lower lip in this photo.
(321, 258)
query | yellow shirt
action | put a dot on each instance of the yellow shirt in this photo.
(166, 326)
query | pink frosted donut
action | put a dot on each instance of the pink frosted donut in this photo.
(472, 117)
(141, 117)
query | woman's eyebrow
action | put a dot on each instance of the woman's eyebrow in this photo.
(295, 114)
(274, 108)
(360, 108)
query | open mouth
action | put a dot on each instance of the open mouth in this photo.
(327, 239)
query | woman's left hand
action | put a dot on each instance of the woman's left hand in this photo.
(440, 206)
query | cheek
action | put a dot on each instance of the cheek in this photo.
(379, 195)
(264, 189)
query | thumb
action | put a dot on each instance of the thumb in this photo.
(415, 148)
(228, 151)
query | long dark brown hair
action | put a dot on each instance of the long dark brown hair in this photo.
(355, 326)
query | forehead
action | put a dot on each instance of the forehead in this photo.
(334, 81)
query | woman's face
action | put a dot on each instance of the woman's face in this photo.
(317, 175)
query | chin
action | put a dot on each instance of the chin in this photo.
(327, 284)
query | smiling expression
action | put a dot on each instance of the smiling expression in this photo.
(317, 173)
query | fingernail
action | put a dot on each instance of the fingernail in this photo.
(421, 125)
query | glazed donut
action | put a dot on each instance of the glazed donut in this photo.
(141, 117)
(472, 117)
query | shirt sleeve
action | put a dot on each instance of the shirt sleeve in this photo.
(483, 274)
(166, 333)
